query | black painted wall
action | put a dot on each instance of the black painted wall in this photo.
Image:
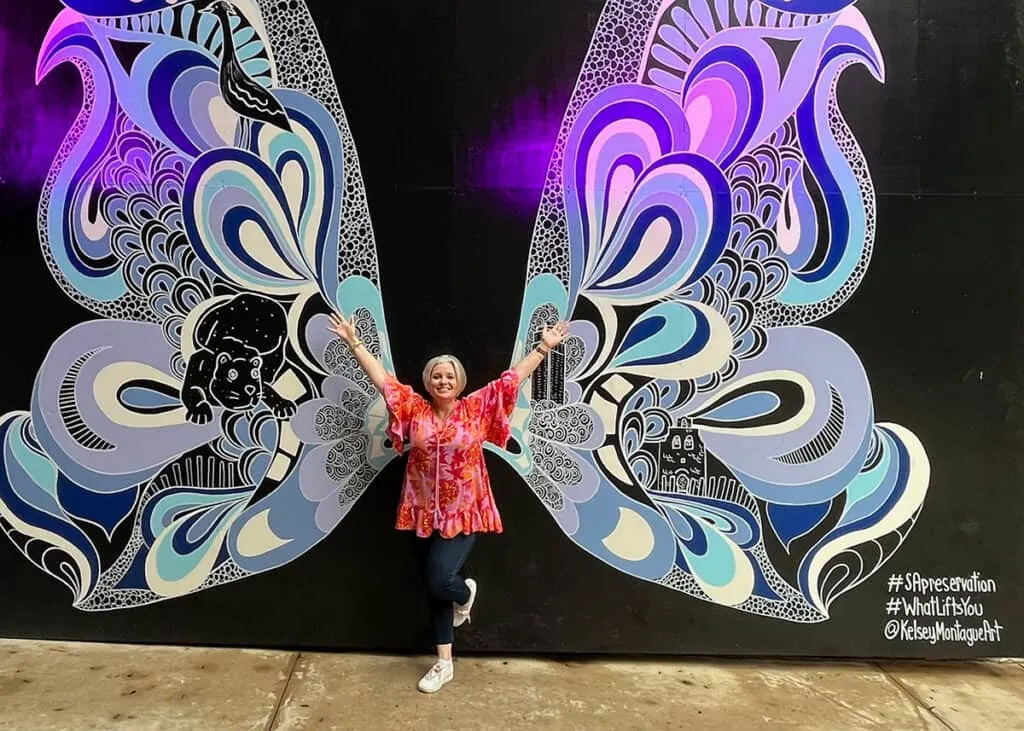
(426, 86)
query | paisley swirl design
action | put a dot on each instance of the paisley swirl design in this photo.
(200, 233)
(714, 204)
(706, 203)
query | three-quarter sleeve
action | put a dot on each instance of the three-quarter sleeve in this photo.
(493, 405)
(402, 401)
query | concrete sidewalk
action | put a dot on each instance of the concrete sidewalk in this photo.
(47, 685)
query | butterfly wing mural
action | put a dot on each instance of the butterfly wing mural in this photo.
(208, 207)
(706, 204)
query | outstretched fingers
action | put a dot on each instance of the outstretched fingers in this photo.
(559, 330)
(338, 323)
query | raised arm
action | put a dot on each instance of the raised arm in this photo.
(347, 332)
(551, 337)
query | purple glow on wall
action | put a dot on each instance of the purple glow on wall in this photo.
(33, 120)
(514, 159)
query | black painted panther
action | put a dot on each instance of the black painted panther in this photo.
(240, 351)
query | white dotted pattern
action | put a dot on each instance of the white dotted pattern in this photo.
(302, 65)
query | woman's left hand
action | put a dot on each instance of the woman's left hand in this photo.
(552, 336)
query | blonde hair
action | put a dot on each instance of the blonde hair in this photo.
(460, 372)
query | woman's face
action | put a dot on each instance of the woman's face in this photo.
(444, 382)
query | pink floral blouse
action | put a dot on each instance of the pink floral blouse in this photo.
(446, 485)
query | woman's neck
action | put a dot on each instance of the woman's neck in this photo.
(443, 409)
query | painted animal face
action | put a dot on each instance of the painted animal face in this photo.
(236, 382)
(220, 6)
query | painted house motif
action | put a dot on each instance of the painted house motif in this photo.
(682, 460)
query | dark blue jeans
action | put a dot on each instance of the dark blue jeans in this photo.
(442, 559)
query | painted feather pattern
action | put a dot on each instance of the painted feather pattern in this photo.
(706, 204)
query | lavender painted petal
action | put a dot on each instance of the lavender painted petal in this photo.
(314, 482)
(318, 337)
(106, 440)
(794, 429)
(304, 422)
(587, 333)
(328, 514)
(619, 133)
(278, 528)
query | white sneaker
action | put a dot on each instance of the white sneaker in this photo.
(437, 676)
(462, 610)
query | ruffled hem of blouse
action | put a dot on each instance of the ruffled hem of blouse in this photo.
(392, 392)
(465, 521)
(500, 429)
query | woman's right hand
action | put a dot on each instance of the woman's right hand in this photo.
(343, 328)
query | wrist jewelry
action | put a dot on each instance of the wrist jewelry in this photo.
(355, 344)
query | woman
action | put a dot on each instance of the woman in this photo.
(446, 496)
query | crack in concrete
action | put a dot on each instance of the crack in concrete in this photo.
(915, 697)
(836, 701)
(272, 721)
